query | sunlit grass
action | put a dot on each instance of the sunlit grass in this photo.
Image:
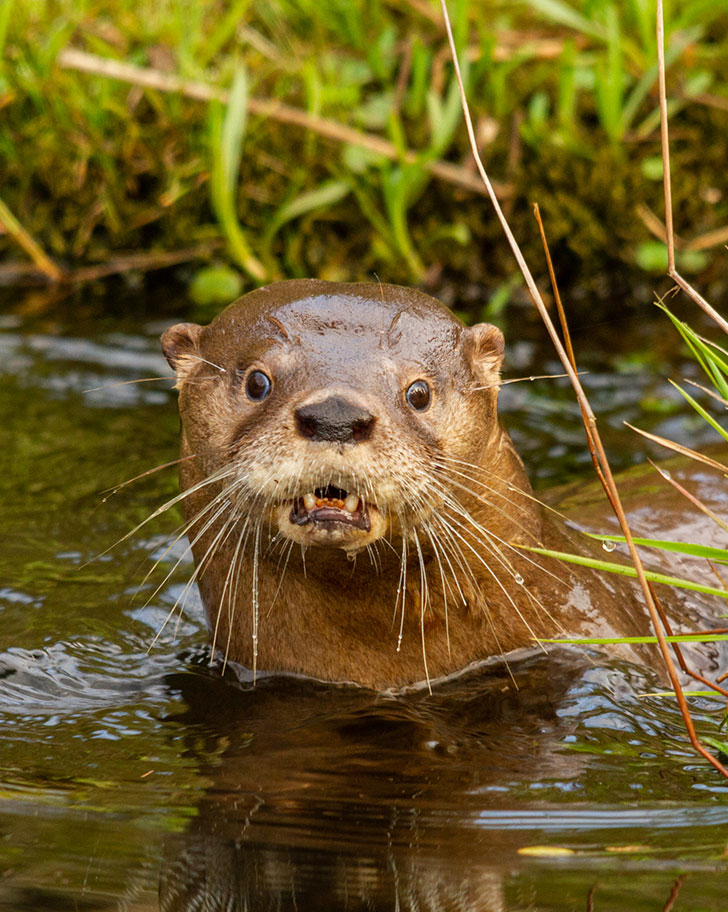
(564, 95)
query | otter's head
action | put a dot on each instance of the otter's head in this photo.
(332, 411)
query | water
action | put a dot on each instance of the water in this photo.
(141, 779)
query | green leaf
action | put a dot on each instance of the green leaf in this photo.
(6, 8)
(644, 85)
(721, 746)
(701, 411)
(707, 354)
(215, 285)
(652, 168)
(638, 640)
(233, 130)
(227, 132)
(652, 256)
(625, 570)
(719, 555)
(566, 15)
(326, 194)
(691, 262)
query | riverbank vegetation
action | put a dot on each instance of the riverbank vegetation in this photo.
(265, 140)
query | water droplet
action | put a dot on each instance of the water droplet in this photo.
(666, 474)
(519, 579)
(608, 546)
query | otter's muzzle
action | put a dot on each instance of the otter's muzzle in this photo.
(335, 420)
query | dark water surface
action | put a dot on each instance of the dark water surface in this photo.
(137, 778)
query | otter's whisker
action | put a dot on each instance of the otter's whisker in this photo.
(498, 582)
(110, 492)
(199, 569)
(230, 588)
(445, 586)
(508, 515)
(221, 473)
(401, 591)
(492, 537)
(256, 549)
(424, 603)
(281, 574)
(516, 489)
(180, 600)
(181, 531)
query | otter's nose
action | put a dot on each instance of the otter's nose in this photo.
(336, 420)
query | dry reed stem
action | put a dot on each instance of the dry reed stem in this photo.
(555, 286)
(679, 448)
(73, 59)
(590, 421)
(678, 650)
(25, 240)
(567, 336)
(665, 140)
(695, 501)
(139, 262)
(674, 893)
(656, 227)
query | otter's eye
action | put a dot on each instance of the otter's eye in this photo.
(418, 395)
(257, 386)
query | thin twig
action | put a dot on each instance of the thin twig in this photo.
(590, 422)
(677, 649)
(695, 501)
(674, 893)
(679, 448)
(19, 234)
(705, 241)
(73, 59)
(555, 287)
(131, 262)
(665, 139)
(567, 339)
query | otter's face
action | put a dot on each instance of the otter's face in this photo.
(327, 409)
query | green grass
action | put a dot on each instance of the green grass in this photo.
(565, 92)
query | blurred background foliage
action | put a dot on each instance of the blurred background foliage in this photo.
(564, 95)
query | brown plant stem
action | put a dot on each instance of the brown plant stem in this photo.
(590, 421)
(19, 234)
(141, 262)
(73, 59)
(665, 140)
(678, 650)
(679, 448)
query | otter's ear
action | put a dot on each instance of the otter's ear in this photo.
(181, 347)
(484, 347)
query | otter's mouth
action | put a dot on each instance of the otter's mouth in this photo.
(331, 507)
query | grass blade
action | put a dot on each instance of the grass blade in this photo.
(719, 555)
(327, 194)
(701, 411)
(227, 133)
(624, 570)
(706, 637)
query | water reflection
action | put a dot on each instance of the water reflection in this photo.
(337, 799)
(123, 772)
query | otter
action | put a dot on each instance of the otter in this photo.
(356, 510)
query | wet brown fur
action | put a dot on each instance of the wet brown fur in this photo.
(336, 613)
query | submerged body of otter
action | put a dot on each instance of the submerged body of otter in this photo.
(355, 509)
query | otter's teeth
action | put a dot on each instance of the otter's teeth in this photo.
(309, 501)
(351, 503)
